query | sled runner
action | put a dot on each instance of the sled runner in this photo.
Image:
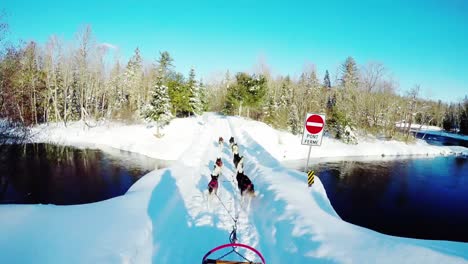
(234, 246)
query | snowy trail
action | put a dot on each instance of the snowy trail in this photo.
(191, 175)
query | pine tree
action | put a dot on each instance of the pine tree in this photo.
(73, 100)
(116, 88)
(59, 91)
(304, 80)
(349, 73)
(165, 62)
(248, 91)
(293, 120)
(195, 104)
(30, 79)
(203, 96)
(447, 122)
(132, 83)
(313, 80)
(271, 110)
(256, 90)
(234, 99)
(159, 109)
(309, 81)
(177, 88)
(178, 94)
(286, 93)
(326, 80)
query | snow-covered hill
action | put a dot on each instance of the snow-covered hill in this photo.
(165, 216)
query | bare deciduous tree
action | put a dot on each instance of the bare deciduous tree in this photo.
(372, 75)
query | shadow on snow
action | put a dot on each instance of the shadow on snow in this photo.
(175, 238)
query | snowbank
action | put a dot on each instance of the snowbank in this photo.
(138, 138)
(284, 146)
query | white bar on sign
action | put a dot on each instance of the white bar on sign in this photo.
(315, 124)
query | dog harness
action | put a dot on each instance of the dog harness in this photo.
(214, 182)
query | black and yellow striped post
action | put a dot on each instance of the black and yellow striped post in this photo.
(310, 178)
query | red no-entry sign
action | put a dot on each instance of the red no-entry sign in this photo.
(314, 124)
(313, 129)
(312, 136)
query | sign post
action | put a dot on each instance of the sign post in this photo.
(313, 132)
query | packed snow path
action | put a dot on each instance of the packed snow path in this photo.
(165, 217)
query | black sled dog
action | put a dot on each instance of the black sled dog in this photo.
(237, 158)
(245, 185)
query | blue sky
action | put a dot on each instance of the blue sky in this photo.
(420, 42)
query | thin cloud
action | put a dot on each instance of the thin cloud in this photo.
(108, 45)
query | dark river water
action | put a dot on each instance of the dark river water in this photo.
(440, 138)
(420, 197)
(62, 175)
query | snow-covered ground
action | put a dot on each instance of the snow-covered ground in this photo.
(283, 146)
(165, 217)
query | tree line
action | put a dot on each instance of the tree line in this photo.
(359, 100)
(63, 82)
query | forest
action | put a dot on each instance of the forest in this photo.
(64, 81)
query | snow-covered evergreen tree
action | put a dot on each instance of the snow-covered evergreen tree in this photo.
(194, 94)
(286, 93)
(271, 110)
(159, 108)
(326, 80)
(116, 89)
(203, 96)
(73, 99)
(132, 82)
(349, 73)
(310, 82)
(58, 92)
(293, 121)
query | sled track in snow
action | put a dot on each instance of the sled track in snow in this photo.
(192, 174)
